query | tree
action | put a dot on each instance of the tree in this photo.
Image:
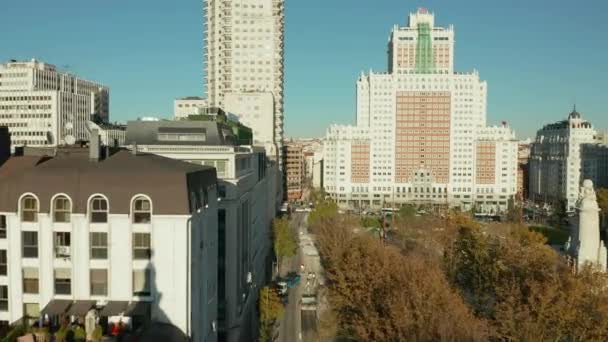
(407, 211)
(379, 294)
(271, 309)
(514, 212)
(524, 289)
(284, 240)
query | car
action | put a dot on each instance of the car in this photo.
(282, 288)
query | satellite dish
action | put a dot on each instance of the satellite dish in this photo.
(69, 126)
(70, 140)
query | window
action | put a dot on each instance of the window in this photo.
(63, 281)
(30, 244)
(182, 136)
(141, 282)
(99, 282)
(141, 246)
(29, 209)
(3, 262)
(62, 245)
(30, 280)
(3, 298)
(99, 245)
(3, 227)
(99, 210)
(62, 208)
(141, 210)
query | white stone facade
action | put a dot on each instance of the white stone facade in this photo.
(249, 199)
(244, 55)
(185, 106)
(555, 160)
(166, 260)
(42, 105)
(419, 130)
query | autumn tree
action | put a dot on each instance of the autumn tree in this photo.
(525, 290)
(379, 294)
(407, 211)
(514, 212)
(284, 240)
(271, 309)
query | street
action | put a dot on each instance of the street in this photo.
(296, 326)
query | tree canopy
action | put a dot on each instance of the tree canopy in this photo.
(284, 239)
(271, 309)
(452, 278)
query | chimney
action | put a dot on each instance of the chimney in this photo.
(94, 146)
(134, 149)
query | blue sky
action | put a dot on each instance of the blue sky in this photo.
(538, 56)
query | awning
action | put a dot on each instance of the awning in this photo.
(81, 307)
(114, 308)
(138, 309)
(56, 307)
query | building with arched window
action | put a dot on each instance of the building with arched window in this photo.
(132, 234)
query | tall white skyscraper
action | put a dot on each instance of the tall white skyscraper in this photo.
(421, 132)
(42, 106)
(244, 65)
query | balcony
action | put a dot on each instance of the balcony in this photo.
(62, 252)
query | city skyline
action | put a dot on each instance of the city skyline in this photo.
(562, 63)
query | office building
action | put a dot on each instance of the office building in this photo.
(523, 169)
(555, 160)
(249, 197)
(42, 106)
(594, 160)
(420, 133)
(244, 65)
(294, 170)
(132, 234)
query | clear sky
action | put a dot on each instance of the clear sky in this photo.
(538, 56)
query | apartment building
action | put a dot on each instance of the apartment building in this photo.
(555, 160)
(294, 170)
(523, 169)
(42, 106)
(244, 44)
(420, 133)
(131, 234)
(249, 197)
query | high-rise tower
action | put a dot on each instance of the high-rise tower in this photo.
(244, 64)
(421, 132)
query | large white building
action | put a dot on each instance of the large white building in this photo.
(555, 160)
(421, 131)
(250, 194)
(244, 65)
(134, 235)
(185, 106)
(41, 105)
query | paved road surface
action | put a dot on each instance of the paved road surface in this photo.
(309, 326)
(291, 324)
